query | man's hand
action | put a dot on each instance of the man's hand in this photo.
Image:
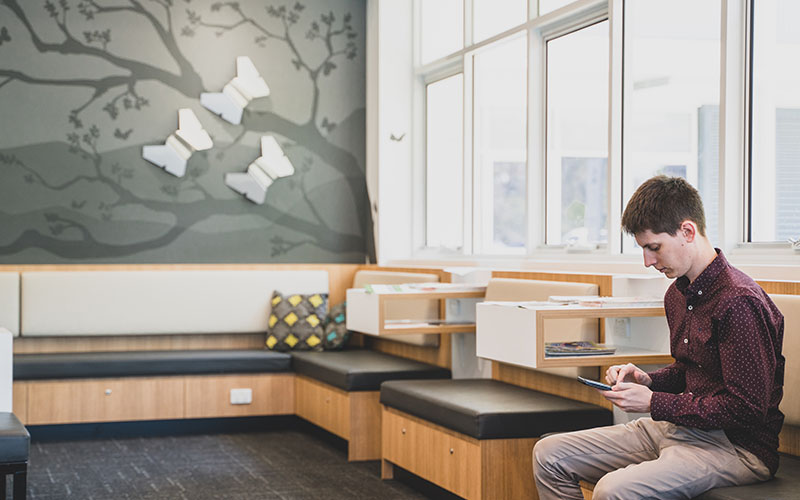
(628, 373)
(630, 397)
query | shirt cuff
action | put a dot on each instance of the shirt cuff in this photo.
(657, 381)
(660, 405)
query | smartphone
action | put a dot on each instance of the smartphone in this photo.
(595, 384)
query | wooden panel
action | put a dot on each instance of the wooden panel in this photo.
(365, 426)
(603, 281)
(790, 439)
(507, 468)
(780, 287)
(209, 395)
(587, 489)
(439, 455)
(105, 400)
(19, 403)
(323, 405)
(23, 345)
(549, 383)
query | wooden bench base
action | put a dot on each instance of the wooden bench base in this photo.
(353, 416)
(479, 469)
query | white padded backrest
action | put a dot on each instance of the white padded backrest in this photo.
(156, 302)
(789, 305)
(561, 330)
(6, 365)
(9, 302)
(406, 309)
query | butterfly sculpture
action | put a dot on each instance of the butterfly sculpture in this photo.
(179, 146)
(271, 165)
(236, 94)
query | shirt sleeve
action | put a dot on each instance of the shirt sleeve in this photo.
(671, 379)
(748, 363)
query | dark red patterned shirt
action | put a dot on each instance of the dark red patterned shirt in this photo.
(726, 336)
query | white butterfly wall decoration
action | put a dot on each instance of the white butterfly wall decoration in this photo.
(179, 146)
(271, 165)
(236, 94)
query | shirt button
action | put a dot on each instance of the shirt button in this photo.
(685, 341)
(699, 292)
(690, 308)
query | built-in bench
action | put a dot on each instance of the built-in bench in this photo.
(339, 391)
(14, 447)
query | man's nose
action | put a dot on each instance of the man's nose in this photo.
(649, 259)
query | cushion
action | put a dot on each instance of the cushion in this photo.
(336, 332)
(297, 321)
(489, 409)
(361, 369)
(146, 363)
(784, 486)
(14, 439)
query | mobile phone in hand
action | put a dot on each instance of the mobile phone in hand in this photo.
(595, 384)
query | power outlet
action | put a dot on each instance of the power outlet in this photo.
(622, 328)
(241, 396)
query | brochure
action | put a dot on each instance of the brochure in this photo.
(581, 348)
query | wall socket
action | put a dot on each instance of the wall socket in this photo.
(622, 328)
(241, 396)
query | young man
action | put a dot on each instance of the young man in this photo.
(714, 411)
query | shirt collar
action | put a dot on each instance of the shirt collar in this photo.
(703, 282)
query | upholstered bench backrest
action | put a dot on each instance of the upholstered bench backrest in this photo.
(406, 309)
(9, 302)
(6, 362)
(789, 305)
(156, 302)
(507, 289)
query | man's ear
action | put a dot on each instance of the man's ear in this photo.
(688, 230)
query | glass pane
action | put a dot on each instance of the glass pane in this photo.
(499, 146)
(442, 28)
(577, 137)
(671, 98)
(445, 163)
(775, 167)
(495, 16)
(546, 6)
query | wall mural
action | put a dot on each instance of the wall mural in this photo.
(86, 85)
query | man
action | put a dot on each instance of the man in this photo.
(714, 411)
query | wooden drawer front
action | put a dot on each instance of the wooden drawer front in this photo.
(432, 453)
(210, 396)
(323, 405)
(19, 404)
(105, 400)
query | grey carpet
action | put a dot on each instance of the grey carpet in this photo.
(285, 465)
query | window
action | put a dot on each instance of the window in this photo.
(577, 137)
(444, 163)
(499, 147)
(495, 16)
(774, 169)
(442, 33)
(671, 98)
(546, 6)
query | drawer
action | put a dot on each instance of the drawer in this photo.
(432, 452)
(210, 396)
(105, 400)
(323, 405)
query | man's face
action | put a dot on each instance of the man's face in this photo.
(666, 252)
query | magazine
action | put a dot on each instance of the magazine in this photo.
(581, 348)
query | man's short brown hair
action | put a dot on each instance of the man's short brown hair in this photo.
(661, 204)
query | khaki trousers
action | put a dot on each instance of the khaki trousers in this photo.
(641, 459)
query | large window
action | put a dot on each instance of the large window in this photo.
(671, 89)
(491, 17)
(774, 173)
(442, 28)
(445, 164)
(577, 137)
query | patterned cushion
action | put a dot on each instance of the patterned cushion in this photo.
(296, 322)
(336, 332)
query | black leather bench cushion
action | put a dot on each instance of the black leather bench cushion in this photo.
(785, 485)
(146, 363)
(14, 439)
(361, 370)
(488, 409)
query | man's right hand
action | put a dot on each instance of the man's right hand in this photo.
(628, 373)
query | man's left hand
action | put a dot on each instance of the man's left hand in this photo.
(630, 397)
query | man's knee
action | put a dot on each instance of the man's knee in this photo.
(545, 451)
(612, 486)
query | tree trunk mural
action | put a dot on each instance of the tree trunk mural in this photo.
(85, 84)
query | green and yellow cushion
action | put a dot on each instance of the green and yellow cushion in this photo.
(297, 322)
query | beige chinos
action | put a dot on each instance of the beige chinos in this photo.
(643, 459)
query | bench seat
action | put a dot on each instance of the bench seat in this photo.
(14, 448)
(361, 369)
(147, 363)
(785, 485)
(488, 409)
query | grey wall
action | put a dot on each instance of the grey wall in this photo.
(85, 84)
